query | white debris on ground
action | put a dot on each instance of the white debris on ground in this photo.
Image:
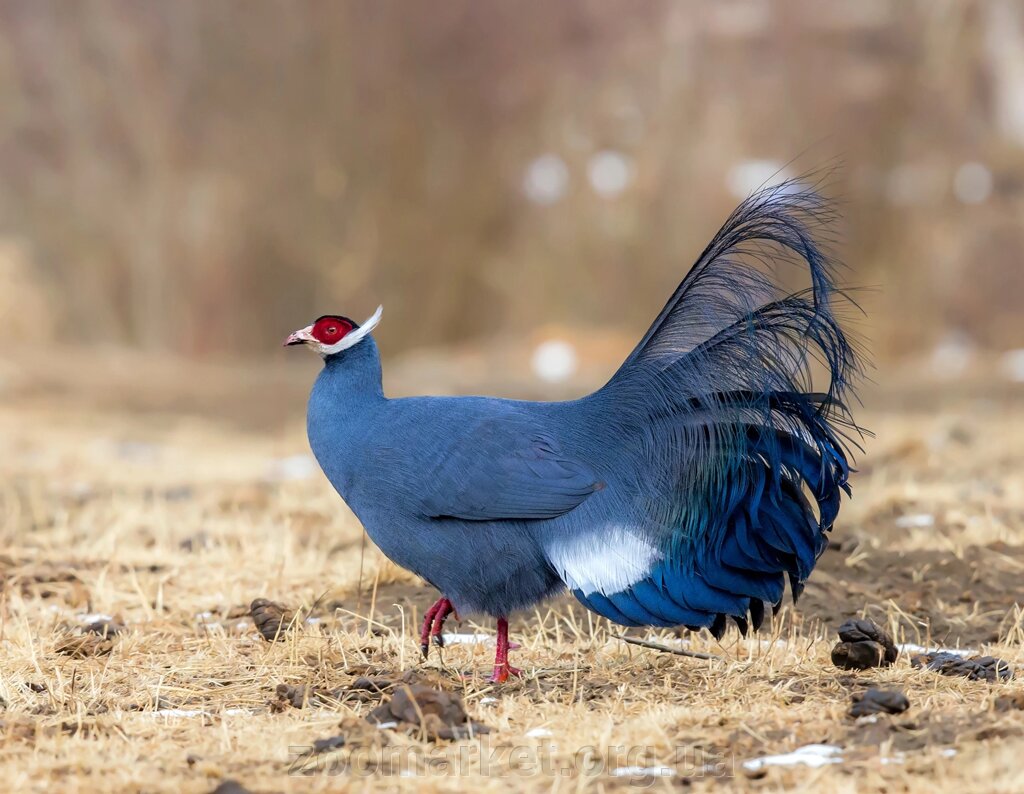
(668, 642)
(175, 713)
(467, 639)
(897, 758)
(748, 642)
(643, 771)
(909, 647)
(93, 617)
(813, 755)
(900, 758)
(539, 733)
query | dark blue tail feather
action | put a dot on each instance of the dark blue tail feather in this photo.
(753, 458)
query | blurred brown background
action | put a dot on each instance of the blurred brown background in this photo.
(197, 178)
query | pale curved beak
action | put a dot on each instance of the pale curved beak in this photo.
(300, 337)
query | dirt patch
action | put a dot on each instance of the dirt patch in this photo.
(947, 599)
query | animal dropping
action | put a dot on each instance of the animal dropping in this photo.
(879, 701)
(863, 645)
(979, 668)
(272, 620)
(438, 713)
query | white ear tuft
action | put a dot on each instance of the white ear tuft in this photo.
(372, 321)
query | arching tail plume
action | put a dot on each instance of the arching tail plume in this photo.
(748, 455)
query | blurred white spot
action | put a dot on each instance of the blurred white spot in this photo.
(913, 184)
(952, 354)
(1004, 57)
(949, 752)
(539, 733)
(554, 360)
(137, 451)
(915, 520)
(610, 173)
(813, 755)
(294, 467)
(1012, 364)
(546, 179)
(313, 621)
(467, 639)
(972, 183)
(175, 713)
(236, 712)
(81, 490)
(488, 701)
(909, 647)
(898, 758)
(671, 642)
(749, 175)
(386, 726)
(93, 617)
(643, 771)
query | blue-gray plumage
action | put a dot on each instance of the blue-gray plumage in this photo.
(686, 491)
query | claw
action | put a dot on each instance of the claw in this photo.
(433, 623)
(502, 672)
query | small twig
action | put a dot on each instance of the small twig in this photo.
(654, 646)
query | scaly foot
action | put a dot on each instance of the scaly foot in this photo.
(433, 625)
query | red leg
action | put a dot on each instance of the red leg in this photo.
(433, 624)
(442, 614)
(502, 669)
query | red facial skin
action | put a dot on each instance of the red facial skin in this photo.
(330, 330)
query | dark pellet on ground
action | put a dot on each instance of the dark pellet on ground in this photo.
(299, 696)
(979, 668)
(439, 713)
(879, 701)
(863, 645)
(271, 619)
(231, 787)
(105, 628)
(377, 685)
(330, 743)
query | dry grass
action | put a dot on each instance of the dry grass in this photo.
(173, 525)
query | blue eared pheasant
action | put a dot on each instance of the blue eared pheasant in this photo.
(686, 491)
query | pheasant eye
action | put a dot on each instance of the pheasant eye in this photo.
(332, 330)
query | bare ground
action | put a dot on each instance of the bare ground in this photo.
(171, 525)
